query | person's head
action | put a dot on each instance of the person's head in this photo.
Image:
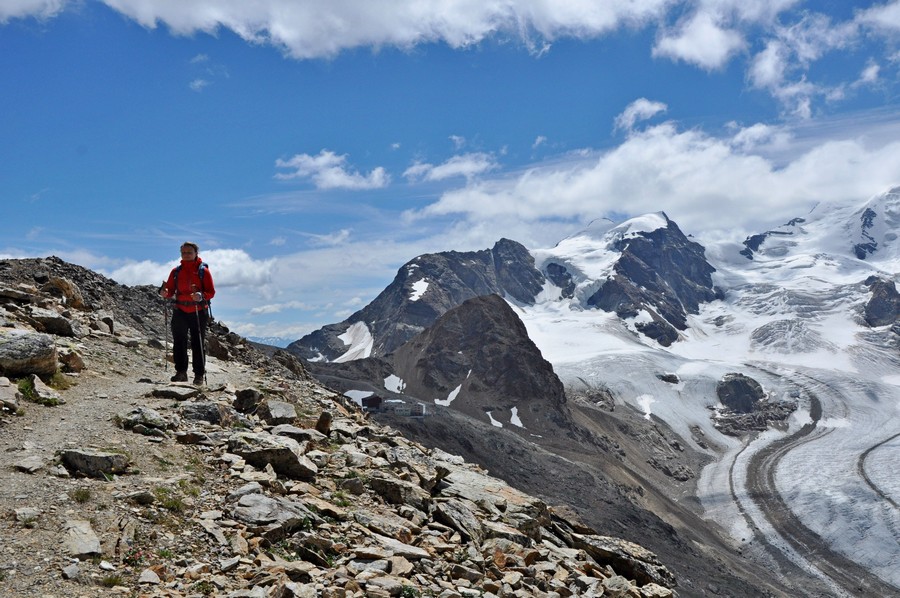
(189, 251)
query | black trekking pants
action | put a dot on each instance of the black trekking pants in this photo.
(194, 324)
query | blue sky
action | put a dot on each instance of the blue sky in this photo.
(311, 148)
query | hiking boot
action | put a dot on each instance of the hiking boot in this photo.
(179, 377)
(198, 379)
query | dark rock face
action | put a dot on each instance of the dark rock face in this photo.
(424, 289)
(753, 243)
(739, 393)
(869, 245)
(482, 348)
(663, 273)
(883, 308)
(475, 358)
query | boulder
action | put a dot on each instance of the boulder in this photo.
(23, 352)
(284, 454)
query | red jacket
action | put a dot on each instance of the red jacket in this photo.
(188, 283)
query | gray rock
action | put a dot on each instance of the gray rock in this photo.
(52, 322)
(81, 542)
(284, 454)
(43, 393)
(179, 393)
(71, 571)
(247, 400)
(31, 464)
(277, 412)
(626, 558)
(214, 413)
(145, 416)
(9, 395)
(259, 509)
(23, 353)
(95, 464)
(298, 434)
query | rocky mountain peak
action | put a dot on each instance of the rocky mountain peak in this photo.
(644, 269)
(478, 358)
(423, 289)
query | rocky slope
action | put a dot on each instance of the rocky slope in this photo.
(259, 483)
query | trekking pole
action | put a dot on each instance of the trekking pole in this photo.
(166, 327)
(202, 344)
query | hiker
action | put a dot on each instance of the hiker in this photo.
(190, 286)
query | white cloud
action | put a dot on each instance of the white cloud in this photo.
(466, 165)
(539, 141)
(695, 177)
(336, 238)
(869, 75)
(198, 84)
(42, 9)
(759, 136)
(885, 17)
(701, 40)
(328, 170)
(638, 110)
(458, 141)
(310, 29)
(229, 267)
(275, 308)
(768, 67)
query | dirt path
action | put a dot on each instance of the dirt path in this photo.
(115, 380)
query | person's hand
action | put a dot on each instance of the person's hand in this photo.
(197, 296)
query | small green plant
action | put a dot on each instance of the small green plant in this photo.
(59, 381)
(112, 580)
(188, 488)
(80, 495)
(165, 554)
(410, 592)
(340, 499)
(29, 522)
(169, 500)
(204, 587)
(26, 387)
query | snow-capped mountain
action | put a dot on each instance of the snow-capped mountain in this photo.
(653, 321)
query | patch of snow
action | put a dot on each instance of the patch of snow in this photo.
(418, 289)
(514, 418)
(446, 402)
(494, 422)
(645, 401)
(394, 383)
(360, 341)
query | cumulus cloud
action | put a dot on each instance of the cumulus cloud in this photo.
(759, 135)
(310, 29)
(466, 165)
(328, 170)
(702, 41)
(885, 17)
(230, 268)
(690, 174)
(638, 110)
